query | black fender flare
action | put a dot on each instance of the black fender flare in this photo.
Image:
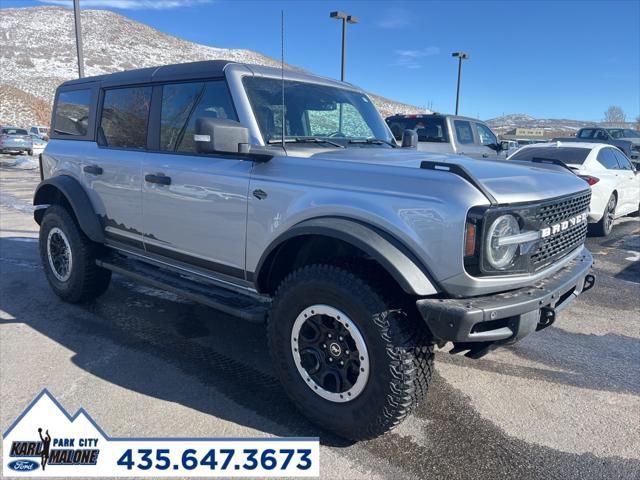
(394, 257)
(76, 196)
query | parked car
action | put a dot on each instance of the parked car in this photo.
(38, 145)
(15, 141)
(603, 135)
(40, 131)
(358, 254)
(614, 182)
(439, 133)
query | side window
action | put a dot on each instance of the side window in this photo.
(183, 104)
(72, 113)
(607, 158)
(586, 133)
(600, 135)
(486, 135)
(125, 113)
(463, 131)
(623, 161)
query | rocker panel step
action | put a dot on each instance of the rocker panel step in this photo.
(253, 309)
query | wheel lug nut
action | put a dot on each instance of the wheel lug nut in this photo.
(341, 363)
(329, 335)
(340, 338)
(324, 345)
(346, 352)
(330, 360)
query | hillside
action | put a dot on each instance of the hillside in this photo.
(551, 126)
(37, 53)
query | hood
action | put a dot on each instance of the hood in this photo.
(507, 181)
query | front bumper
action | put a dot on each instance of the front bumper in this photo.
(479, 322)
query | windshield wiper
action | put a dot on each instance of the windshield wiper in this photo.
(275, 141)
(373, 141)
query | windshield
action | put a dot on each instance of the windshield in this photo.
(569, 155)
(14, 131)
(313, 111)
(624, 133)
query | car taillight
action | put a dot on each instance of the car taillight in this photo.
(589, 179)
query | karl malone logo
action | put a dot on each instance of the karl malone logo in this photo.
(45, 437)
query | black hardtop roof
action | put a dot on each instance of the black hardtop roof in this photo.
(178, 71)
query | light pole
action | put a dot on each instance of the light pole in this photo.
(345, 19)
(76, 14)
(461, 56)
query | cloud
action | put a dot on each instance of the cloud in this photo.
(411, 58)
(395, 19)
(130, 4)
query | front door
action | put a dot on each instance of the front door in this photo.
(195, 205)
(466, 140)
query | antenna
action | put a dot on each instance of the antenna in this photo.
(282, 74)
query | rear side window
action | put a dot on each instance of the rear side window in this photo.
(607, 159)
(125, 113)
(429, 129)
(463, 131)
(14, 131)
(586, 133)
(183, 104)
(623, 161)
(72, 113)
(568, 155)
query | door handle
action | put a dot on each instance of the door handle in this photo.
(93, 169)
(260, 194)
(485, 155)
(160, 178)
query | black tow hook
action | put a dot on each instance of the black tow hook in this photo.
(589, 282)
(547, 317)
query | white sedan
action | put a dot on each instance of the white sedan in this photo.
(615, 184)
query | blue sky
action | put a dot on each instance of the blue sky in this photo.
(549, 59)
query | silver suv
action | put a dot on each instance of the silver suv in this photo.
(282, 197)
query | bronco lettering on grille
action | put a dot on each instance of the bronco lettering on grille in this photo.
(562, 226)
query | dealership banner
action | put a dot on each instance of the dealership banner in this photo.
(45, 441)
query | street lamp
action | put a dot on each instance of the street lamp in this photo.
(76, 15)
(461, 56)
(345, 19)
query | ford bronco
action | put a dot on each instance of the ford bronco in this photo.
(282, 197)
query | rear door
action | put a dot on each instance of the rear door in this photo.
(113, 170)
(195, 205)
(607, 158)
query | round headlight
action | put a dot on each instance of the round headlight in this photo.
(500, 257)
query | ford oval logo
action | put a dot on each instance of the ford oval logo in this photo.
(23, 465)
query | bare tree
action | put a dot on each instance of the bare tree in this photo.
(615, 116)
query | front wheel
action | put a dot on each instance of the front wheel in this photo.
(352, 361)
(69, 258)
(604, 227)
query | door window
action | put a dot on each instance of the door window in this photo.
(623, 161)
(125, 113)
(463, 131)
(72, 113)
(183, 104)
(485, 135)
(607, 158)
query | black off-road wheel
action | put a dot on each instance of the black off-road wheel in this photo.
(604, 227)
(69, 258)
(352, 361)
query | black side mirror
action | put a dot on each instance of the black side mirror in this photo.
(220, 135)
(409, 139)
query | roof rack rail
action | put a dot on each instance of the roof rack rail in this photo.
(461, 172)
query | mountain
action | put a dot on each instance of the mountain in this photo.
(37, 53)
(551, 126)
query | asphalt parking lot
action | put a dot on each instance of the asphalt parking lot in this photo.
(563, 403)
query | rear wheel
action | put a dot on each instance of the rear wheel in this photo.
(351, 360)
(605, 225)
(69, 258)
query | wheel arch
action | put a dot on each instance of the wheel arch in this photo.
(66, 190)
(345, 235)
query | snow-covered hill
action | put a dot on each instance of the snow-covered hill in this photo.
(37, 53)
(550, 125)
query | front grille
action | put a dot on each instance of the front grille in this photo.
(557, 246)
(562, 209)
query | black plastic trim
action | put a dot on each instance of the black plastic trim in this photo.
(461, 172)
(77, 198)
(386, 250)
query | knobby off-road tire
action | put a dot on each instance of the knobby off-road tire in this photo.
(82, 280)
(398, 349)
(604, 227)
